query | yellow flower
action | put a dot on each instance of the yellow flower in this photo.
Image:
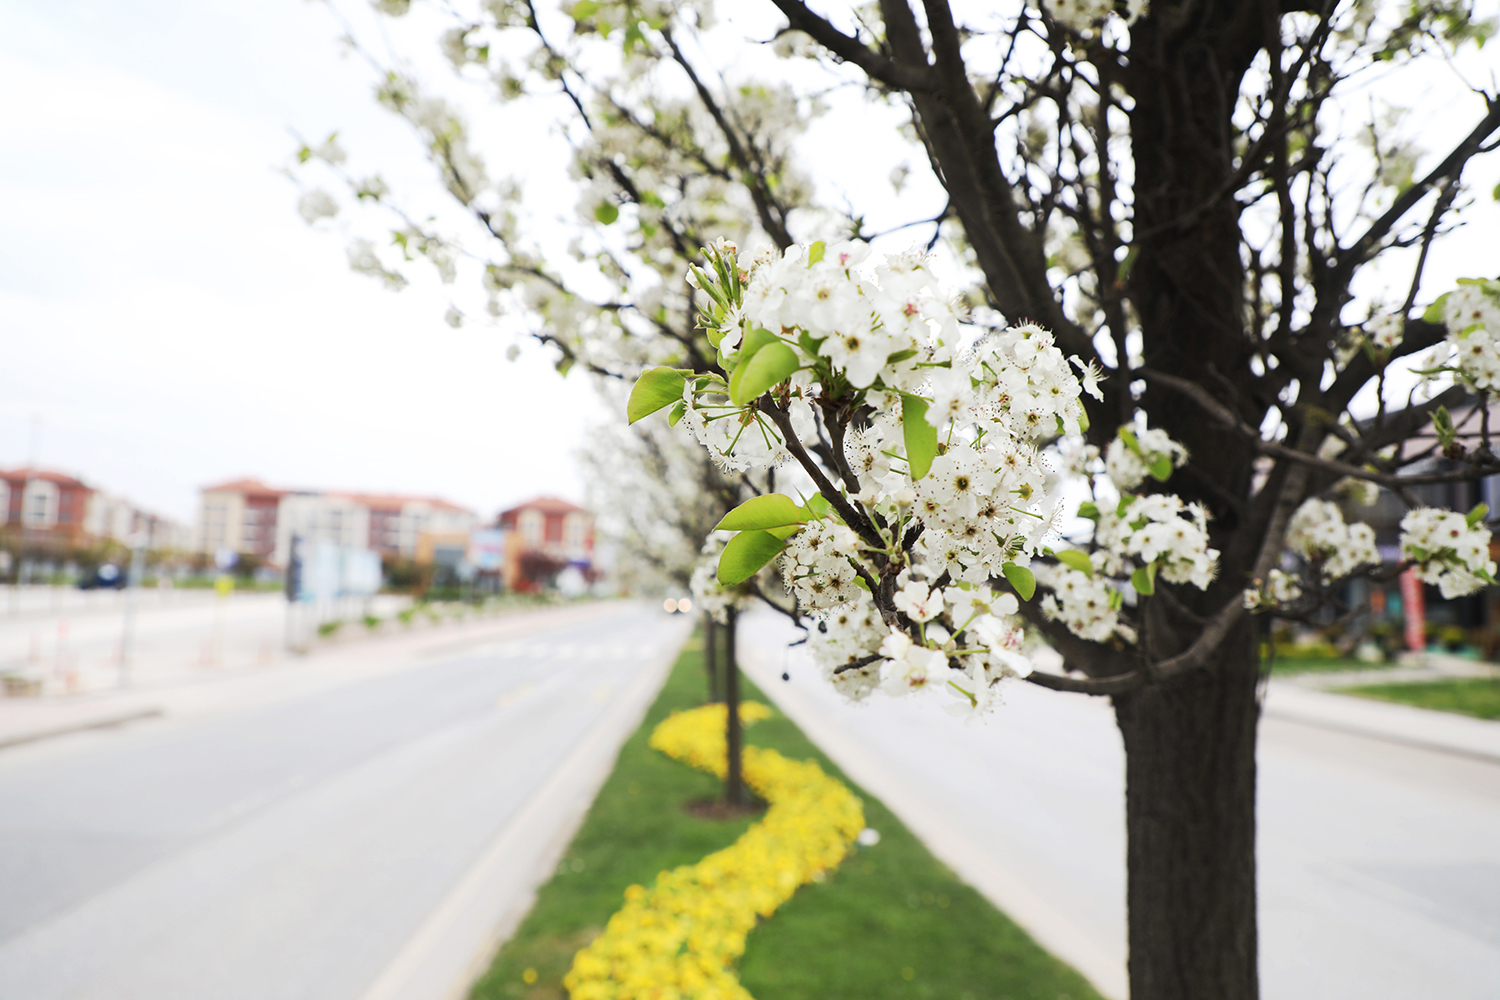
(679, 939)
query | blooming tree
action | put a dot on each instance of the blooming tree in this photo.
(1162, 347)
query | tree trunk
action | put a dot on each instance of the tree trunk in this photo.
(711, 655)
(1190, 819)
(734, 784)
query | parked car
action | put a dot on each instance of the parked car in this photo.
(106, 576)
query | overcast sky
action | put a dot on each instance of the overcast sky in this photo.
(167, 320)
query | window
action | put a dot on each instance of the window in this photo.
(575, 529)
(39, 507)
(530, 525)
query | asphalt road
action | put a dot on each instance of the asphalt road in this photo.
(1379, 862)
(308, 846)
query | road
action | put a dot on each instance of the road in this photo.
(1379, 861)
(361, 837)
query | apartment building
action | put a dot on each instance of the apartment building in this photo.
(246, 516)
(59, 513)
(544, 536)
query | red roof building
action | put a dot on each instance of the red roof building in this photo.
(545, 535)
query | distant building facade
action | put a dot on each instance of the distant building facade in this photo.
(56, 514)
(247, 517)
(545, 536)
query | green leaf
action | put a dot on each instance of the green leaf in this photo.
(900, 356)
(808, 342)
(815, 252)
(1434, 312)
(769, 511)
(1477, 514)
(771, 365)
(785, 531)
(754, 340)
(675, 414)
(1020, 578)
(1124, 505)
(1089, 509)
(818, 506)
(655, 388)
(1123, 271)
(745, 554)
(1442, 426)
(584, 9)
(921, 437)
(1077, 560)
(1116, 599)
(1161, 468)
(1144, 580)
(1128, 436)
(606, 212)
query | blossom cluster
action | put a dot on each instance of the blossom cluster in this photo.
(708, 594)
(1318, 533)
(1164, 534)
(1136, 453)
(1279, 590)
(681, 937)
(1086, 602)
(1449, 549)
(1082, 16)
(1387, 331)
(1471, 351)
(947, 481)
(967, 640)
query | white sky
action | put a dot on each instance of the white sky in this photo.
(171, 320)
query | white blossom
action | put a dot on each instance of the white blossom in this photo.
(317, 204)
(1447, 550)
(1317, 532)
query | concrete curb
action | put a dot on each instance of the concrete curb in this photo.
(1445, 732)
(102, 721)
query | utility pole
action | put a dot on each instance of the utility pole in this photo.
(23, 568)
(138, 542)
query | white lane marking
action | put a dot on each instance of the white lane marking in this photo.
(511, 697)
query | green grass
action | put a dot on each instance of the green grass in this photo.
(1318, 664)
(891, 922)
(1476, 696)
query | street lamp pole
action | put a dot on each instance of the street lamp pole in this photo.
(132, 599)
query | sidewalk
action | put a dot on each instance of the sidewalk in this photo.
(1443, 731)
(28, 719)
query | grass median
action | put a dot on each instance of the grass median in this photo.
(890, 922)
(1476, 696)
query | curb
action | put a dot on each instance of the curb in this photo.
(102, 722)
(1443, 732)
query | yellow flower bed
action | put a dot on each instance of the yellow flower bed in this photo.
(680, 938)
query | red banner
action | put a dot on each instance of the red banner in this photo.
(1414, 609)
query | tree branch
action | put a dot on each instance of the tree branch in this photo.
(876, 66)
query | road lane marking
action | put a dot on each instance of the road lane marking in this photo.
(511, 697)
